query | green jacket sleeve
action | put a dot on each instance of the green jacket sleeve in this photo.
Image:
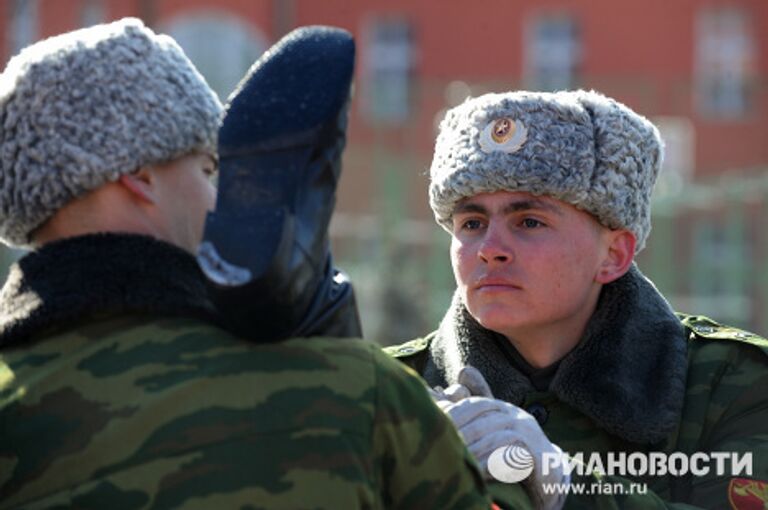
(725, 411)
(423, 461)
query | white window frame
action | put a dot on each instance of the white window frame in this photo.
(389, 58)
(725, 62)
(552, 63)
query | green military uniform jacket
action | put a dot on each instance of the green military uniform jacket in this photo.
(117, 391)
(642, 379)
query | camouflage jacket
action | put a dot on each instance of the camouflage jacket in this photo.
(115, 394)
(642, 379)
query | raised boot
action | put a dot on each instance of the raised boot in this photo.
(265, 250)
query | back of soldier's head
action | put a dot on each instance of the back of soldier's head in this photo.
(83, 108)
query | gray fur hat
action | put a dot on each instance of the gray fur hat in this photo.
(579, 147)
(82, 108)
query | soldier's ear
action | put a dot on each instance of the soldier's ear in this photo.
(140, 185)
(618, 257)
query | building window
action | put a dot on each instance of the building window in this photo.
(388, 67)
(23, 30)
(679, 154)
(552, 53)
(725, 62)
(92, 13)
(221, 46)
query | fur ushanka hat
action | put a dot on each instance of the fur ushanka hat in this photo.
(80, 109)
(579, 147)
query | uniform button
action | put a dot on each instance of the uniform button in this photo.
(539, 412)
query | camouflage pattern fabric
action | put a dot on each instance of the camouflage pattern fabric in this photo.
(725, 410)
(136, 413)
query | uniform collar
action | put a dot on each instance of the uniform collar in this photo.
(627, 373)
(99, 276)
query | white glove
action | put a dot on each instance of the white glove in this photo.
(488, 425)
(470, 383)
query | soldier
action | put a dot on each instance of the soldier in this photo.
(547, 200)
(118, 388)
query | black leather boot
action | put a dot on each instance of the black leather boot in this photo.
(265, 250)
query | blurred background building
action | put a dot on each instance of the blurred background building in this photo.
(698, 68)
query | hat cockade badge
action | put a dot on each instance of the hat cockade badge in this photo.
(504, 135)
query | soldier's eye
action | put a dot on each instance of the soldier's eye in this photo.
(472, 225)
(532, 223)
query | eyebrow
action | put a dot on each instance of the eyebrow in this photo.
(512, 207)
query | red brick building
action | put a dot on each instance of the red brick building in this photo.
(698, 68)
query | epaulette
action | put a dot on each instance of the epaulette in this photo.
(413, 353)
(410, 348)
(706, 328)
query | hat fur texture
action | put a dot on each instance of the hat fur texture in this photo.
(80, 109)
(579, 147)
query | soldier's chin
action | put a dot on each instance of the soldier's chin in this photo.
(495, 317)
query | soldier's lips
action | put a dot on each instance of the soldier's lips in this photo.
(489, 289)
(495, 285)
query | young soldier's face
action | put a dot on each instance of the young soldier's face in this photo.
(526, 263)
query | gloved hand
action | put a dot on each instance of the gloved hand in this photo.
(489, 425)
(470, 383)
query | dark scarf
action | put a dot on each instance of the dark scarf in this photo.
(99, 276)
(627, 373)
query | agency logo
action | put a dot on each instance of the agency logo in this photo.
(510, 464)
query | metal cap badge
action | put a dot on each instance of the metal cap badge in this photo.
(503, 135)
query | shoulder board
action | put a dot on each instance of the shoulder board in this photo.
(706, 328)
(410, 348)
